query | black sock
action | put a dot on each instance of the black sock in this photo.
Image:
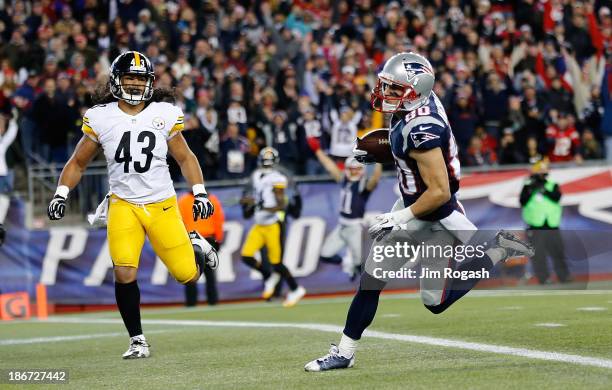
(458, 288)
(335, 259)
(251, 262)
(363, 307)
(128, 302)
(285, 274)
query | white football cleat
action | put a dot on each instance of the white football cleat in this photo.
(332, 361)
(293, 297)
(139, 348)
(270, 285)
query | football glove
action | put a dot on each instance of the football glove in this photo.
(363, 157)
(57, 208)
(202, 207)
(203, 248)
(388, 222)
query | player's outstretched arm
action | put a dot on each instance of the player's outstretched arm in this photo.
(375, 178)
(85, 150)
(329, 165)
(190, 168)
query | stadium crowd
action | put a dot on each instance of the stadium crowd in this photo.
(520, 80)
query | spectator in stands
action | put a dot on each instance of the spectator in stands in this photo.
(562, 138)
(23, 99)
(509, 152)
(533, 151)
(343, 131)
(8, 133)
(540, 200)
(495, 98)
(464, 119)
(234, 160)
(478, 155)
(55, 120)
(310, 128)
(285, 140)
(591, 149)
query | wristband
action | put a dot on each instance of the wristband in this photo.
(62, 191)
(405, 215)
(198, 189)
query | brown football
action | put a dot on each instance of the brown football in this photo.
(376, 143)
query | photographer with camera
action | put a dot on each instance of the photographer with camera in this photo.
(541, 210)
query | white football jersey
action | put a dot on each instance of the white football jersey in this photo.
(135, 147)
(343, 134)
(264, 183)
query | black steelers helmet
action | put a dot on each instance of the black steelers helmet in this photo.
(131, 62)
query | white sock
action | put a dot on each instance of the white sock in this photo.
(347, 346)
(139, 337)
(496, 254)
(4, 206)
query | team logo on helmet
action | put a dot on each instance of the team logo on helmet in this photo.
(414, 68)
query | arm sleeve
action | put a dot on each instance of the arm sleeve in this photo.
(88, 127)
(179, 123)
(356, 118)
(525, 194)
(280, 182)
(423, 136)
(554, 194)
(10, 135)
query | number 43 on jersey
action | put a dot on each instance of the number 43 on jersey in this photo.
(124, 154)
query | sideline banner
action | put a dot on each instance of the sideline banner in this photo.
(74, 262)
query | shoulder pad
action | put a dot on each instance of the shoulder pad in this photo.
(424, 136)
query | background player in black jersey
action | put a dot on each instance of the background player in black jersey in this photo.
(354, 194)
(428, 171)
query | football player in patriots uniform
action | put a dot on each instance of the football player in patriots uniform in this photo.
(425, 155)
(136, 129)
(354, 194)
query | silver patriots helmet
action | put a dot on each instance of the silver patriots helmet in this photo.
(405, 83)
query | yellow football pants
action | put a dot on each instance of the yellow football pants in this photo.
(264, 235)
(161, 222)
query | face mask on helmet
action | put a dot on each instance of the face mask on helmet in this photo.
(131, 91)
(353, 169)
(391, 97)
(268, 157)
(125, 78)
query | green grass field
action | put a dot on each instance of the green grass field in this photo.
(224, 347)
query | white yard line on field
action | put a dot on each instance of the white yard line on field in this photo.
(592, 308)
(549, 325)
(57, 339)
(436, 341)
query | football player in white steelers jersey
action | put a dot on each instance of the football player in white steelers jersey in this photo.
(269, 204)
(136, 130)
(425, 157)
